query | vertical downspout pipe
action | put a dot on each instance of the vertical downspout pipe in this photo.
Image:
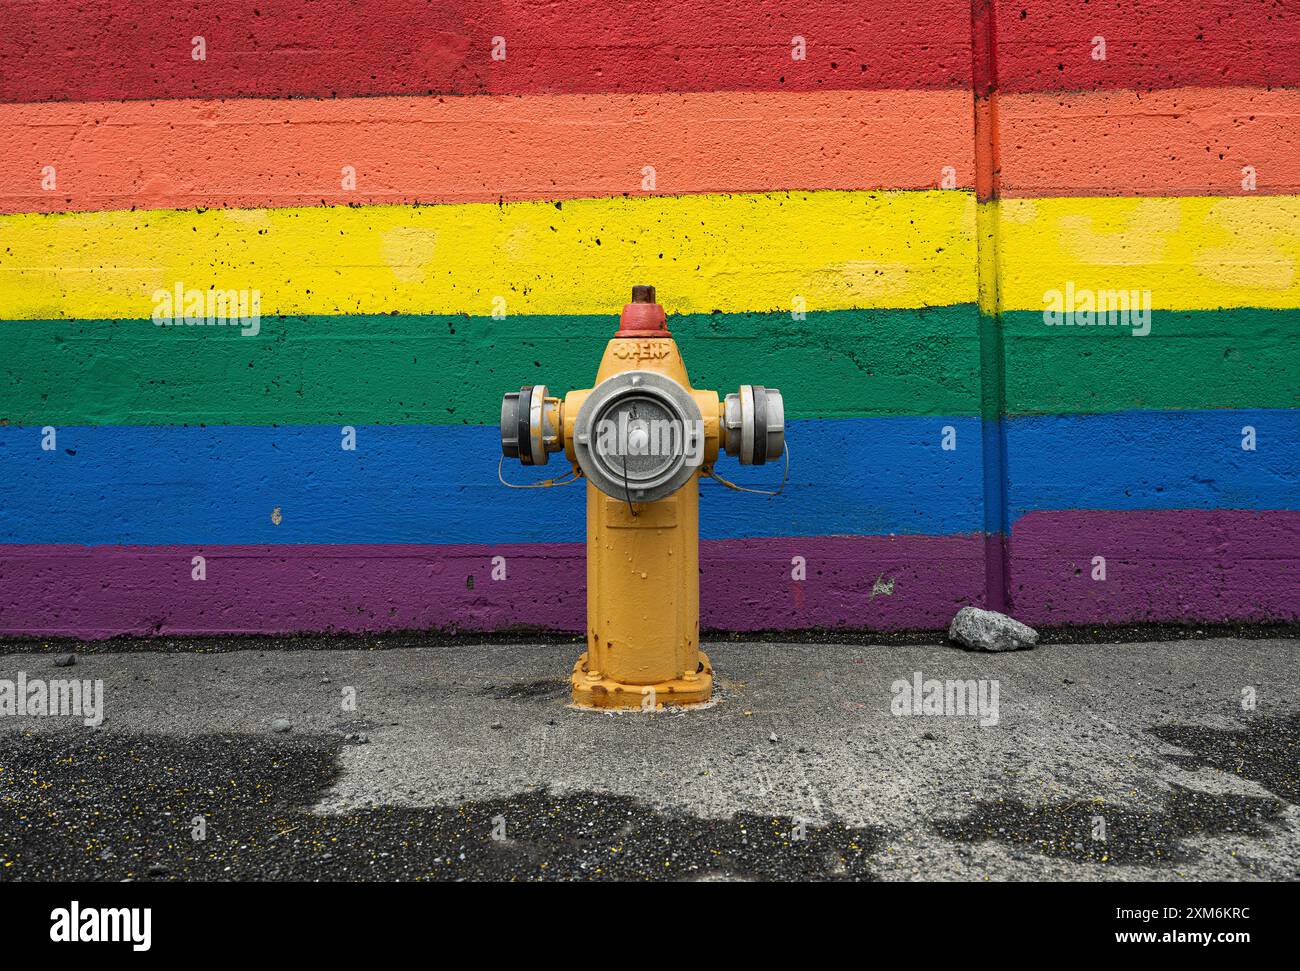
(984, 83)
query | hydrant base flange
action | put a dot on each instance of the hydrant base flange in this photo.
(606, 693)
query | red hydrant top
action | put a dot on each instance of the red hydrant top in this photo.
(643, 317)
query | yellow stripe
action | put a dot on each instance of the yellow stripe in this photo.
(836, 250)
(1190, 253)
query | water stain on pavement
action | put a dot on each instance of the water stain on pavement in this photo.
(103, 806)
(1265, 751)
(1066, 829)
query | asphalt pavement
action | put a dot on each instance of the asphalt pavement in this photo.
(443, 759)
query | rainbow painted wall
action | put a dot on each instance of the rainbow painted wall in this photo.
(386, 175)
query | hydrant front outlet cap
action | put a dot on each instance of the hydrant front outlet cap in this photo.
(639, 436)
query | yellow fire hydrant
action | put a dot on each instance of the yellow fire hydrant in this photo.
(642, 437)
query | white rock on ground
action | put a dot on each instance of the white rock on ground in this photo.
(988, 630)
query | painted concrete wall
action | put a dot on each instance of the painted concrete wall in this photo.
(437, 203)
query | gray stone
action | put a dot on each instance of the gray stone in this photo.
(988, 630)
(281, 725)
(65, 660)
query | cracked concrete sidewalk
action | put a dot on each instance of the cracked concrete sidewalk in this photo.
(1150, 738)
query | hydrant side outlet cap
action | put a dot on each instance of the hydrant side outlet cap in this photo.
(753, 424)
(510, 425)
(522, 425)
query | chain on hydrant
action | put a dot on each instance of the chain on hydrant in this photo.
(642, 437)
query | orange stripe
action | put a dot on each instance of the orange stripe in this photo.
(1184, 141)
(268, 153)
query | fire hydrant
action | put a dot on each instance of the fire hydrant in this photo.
(642, 437)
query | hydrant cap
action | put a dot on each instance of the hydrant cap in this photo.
(643, 317)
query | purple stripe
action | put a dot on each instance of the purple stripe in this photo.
(1179, 565)
(1160, 565)
(746, 584)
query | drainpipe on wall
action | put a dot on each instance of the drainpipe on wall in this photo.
(988, 162)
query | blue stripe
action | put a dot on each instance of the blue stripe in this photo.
(438, 484)
(1154, 460)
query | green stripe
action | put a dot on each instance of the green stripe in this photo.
(453, 370)
(1238, 358)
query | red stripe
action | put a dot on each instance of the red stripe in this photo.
(133, 49)
(1048, 45)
